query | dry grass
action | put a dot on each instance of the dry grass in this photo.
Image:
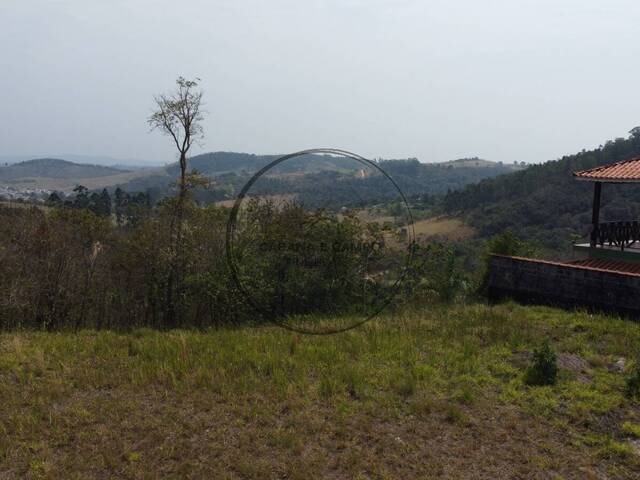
(431, 394)
(446, 227)
(367, 216)
(276, 199)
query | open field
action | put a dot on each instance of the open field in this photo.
(68, 184)
(431, 394)
(365, 215)
(276, 199)
(449, 228)
(445, 227)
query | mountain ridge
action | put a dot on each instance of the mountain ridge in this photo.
(310, 176)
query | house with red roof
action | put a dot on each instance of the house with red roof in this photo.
(605, 275)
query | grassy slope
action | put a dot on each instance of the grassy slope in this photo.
(437, 394)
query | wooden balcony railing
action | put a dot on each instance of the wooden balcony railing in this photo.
(617, 234)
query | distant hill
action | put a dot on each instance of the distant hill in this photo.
(62, 175)
(314, 179)
(103, 160)
(54, 168)
(217, 163)
(335, 182)
(330, 181)
(543, 203)
(435, 178)
(480, 163)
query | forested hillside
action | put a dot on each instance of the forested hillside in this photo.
(325, 180)
(216, 163)
(544, 204)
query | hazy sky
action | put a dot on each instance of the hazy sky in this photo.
(504, 80)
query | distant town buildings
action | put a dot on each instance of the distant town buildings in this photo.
(36, 195)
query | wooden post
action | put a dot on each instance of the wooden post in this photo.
(595, 218)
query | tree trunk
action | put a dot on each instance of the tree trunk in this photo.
(173, 292)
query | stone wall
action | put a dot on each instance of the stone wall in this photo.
(538, 281)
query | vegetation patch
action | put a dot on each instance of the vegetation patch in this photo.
(633, 380)
(544, 369)
(419, 394)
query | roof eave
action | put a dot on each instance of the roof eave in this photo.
(607, 180)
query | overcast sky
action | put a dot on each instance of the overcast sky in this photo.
(503, 80)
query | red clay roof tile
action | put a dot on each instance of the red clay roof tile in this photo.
(608, 265)
(625, 171)
(598, 264)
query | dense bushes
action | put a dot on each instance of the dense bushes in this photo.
(69, 268)
(49, 263)
(295, 261)
(64, 268)
(435, 276)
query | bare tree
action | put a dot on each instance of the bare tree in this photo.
(179, 115)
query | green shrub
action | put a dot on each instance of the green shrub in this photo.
(544, 369)
(632, 381)
(435, 275)
(505, 243)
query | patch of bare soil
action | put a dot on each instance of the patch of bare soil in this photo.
(155, 435)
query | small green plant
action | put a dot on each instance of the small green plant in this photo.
(544, 369)
(328, 387)
(464, 395)
(404, 384)
(612, 449)
(631, 429)
(354, 383)
(454, 414)
(632, 381)
(133, 456)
